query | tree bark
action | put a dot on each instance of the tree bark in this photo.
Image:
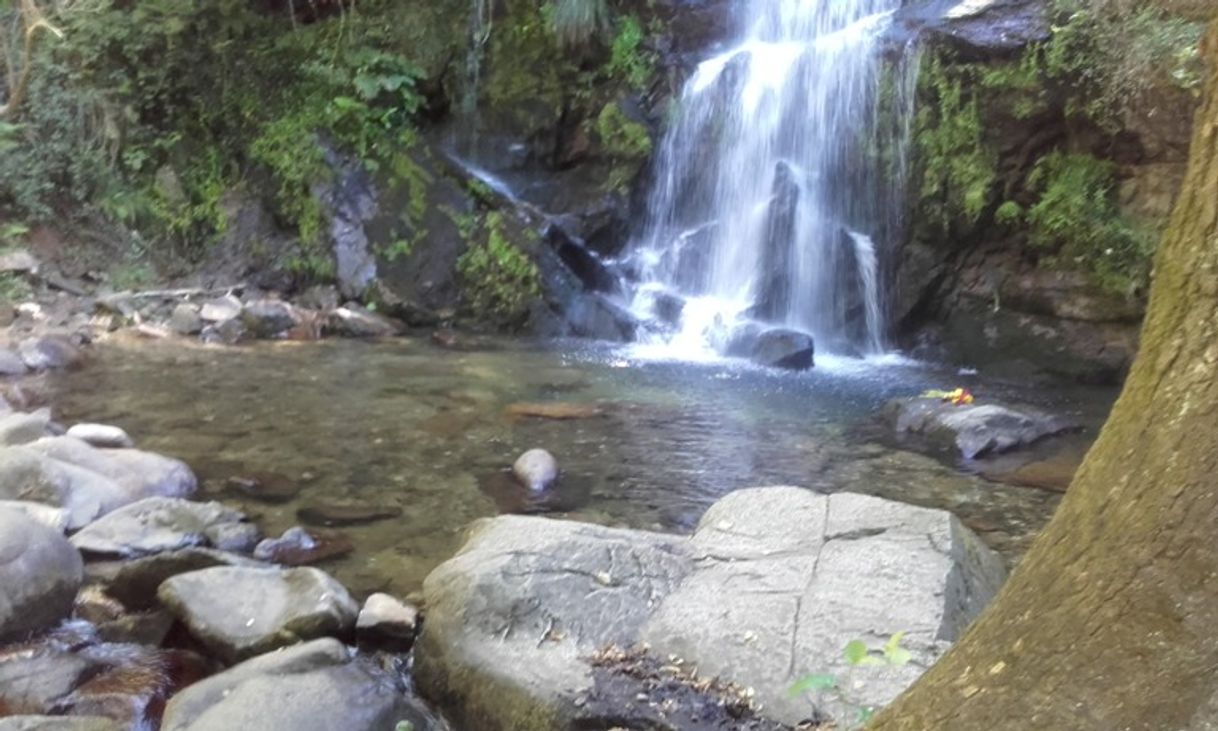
(1111, 620)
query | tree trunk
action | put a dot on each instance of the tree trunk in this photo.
(1111, 621)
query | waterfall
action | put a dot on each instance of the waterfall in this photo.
(778, 181)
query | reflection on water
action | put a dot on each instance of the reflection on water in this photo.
(406, 425)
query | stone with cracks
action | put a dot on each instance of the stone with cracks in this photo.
(157, 524)
(771, 587)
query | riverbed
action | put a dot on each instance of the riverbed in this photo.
(426, 434)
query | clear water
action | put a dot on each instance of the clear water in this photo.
(410, 425)
(779, 165)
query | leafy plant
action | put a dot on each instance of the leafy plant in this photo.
(502, 282)
(857, 654)
(629, 59)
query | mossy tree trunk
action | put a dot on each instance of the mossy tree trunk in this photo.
(1111, 621)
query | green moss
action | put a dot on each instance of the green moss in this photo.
(626, 143)
(629, 60)
(958, 167)
(1077, 222)
(1009, 213)
(500, 282)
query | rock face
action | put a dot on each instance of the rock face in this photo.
(40, 573)
(771, 587)
(976, 430)
(316, 686)
(773, 348)
(155, 525)
(241, 612)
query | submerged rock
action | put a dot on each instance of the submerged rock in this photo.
(766, 591)
(339, 514)
(536, 469)
(40, 573)
(317, 686)
(239, 612)
(978, 429)
(297, 547)
(48, 352)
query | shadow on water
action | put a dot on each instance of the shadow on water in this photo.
(412, 442)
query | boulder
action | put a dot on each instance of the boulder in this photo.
(772, 348)
(316, 686)
(40, 573)
(11, 364)
(101, 435)
(268, 318)
(48, 515)
(186, 320)
(138, 474)
(353, 321)
(386, 623)
(48, 352)
(239, 612)
(134, 582)
(536, 469)
(20, 428)
(59, 723)
(157, 524)
(33, 678)
(225, 332)
(977, 429)
(83, 495)
(771, 587)
(220, 309)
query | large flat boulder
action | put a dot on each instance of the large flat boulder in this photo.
(138, 473)
(40, 573)
(157, 524)
(238, 612)
(316, 686)
(976, 430)
(770, 588)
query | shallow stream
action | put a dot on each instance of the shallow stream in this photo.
(430, 431)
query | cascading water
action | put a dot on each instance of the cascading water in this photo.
(777, 180)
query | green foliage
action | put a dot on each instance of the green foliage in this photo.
(959, 168)
(1077, 221)
(856, 654)
(625, 142)
(629, 59)
(1115, 53)
(13, 288)
(501, 281)
(575, 22)
(1009, 213)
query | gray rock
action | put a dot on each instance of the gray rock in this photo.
(240, 612)
(354, 321)
(220, 309)
(48, 515)
(11, 364)
(157, 524)
(101, 435)
(27, 475)
(320, 297)
(40, 573)
(297, 547)
(35, 679)
(138, 474)
(979, 27)
(59, 723)
(134, 583)
(225, 332)
(48, 352)
(316, 686)
(19, 261)
(186, 319)
(235, 537)
(536, 469)
(268, 318)
(386, 622)
(773, 348)
(977, 429)
(20, 428)
(771, 587)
